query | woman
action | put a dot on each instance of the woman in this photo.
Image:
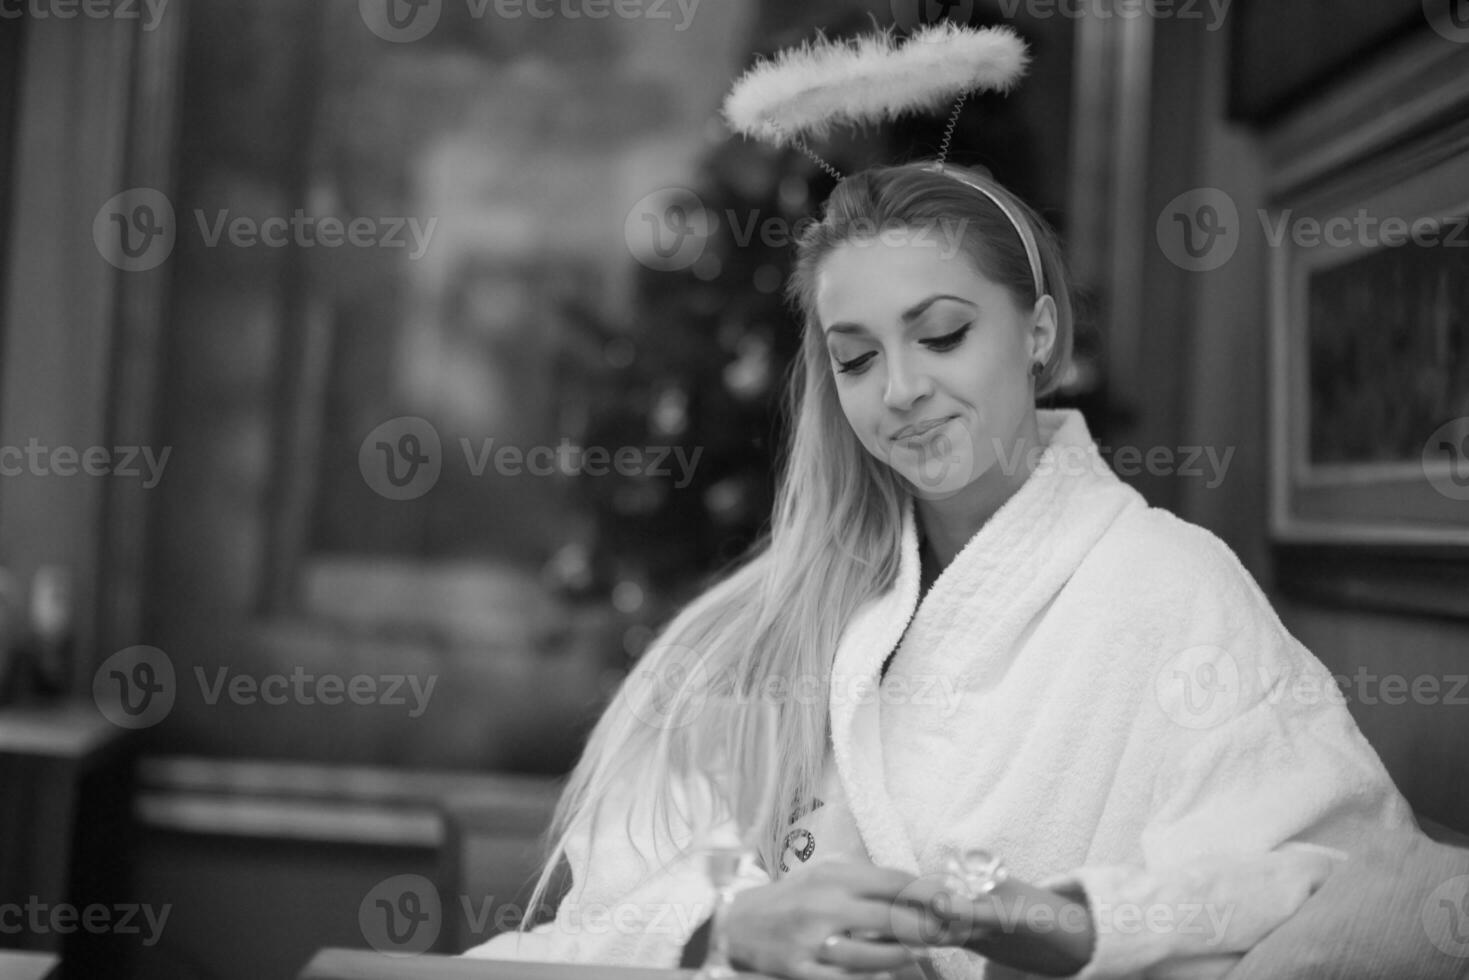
(1111, 704)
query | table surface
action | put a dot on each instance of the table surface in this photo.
(354, 964)
(15, 965)
(61, 729)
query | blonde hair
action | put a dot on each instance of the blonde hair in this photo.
(833, 543)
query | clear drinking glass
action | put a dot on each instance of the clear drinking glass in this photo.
(732, 831)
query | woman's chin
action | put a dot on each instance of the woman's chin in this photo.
(939, 465)
(938, 478)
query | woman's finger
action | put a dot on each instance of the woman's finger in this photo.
(941, 899)
(865, 956)
(823, 971)
(903, 924)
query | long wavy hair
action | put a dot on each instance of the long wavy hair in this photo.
(833, 543)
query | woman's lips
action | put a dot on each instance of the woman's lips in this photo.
(919, 430)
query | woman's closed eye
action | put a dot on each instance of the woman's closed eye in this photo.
(948, 341)
(856, 365)
(941, 344)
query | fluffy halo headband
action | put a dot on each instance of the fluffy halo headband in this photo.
(805, 91)
(870, 79)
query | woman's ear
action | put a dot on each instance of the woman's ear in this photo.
(1043, 328)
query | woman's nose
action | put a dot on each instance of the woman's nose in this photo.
(907, 383)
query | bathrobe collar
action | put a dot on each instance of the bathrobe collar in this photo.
(1015, 563)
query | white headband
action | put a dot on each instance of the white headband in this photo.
(1022, 228)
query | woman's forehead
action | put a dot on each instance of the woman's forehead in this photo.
(865, 280)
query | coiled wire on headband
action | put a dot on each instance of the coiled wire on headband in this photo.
(1027, 237)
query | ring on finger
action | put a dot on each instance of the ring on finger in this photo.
(830, 943)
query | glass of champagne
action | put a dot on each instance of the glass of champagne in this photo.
(731, 833)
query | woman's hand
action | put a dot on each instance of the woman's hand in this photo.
(1029, 928)
(781, 929)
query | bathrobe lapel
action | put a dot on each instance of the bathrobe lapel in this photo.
(855, 723)
(972, 619)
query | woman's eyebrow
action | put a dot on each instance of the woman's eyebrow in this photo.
(909, 316)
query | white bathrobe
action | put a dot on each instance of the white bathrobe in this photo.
(1093, 689)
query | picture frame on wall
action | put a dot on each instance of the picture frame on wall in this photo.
(1369, 381)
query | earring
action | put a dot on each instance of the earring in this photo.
(1036, 368)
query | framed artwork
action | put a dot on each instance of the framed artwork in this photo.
(1370, 381)
(1371, 373)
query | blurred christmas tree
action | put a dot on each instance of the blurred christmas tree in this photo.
(695, 388)
(702, 371)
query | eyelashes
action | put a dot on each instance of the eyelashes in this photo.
(853, 366)
(940, 344)
(948, 341)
